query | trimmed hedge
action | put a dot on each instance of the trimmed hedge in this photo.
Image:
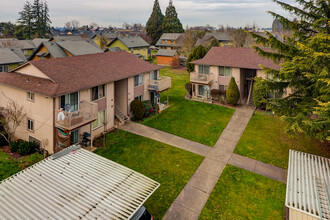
(137, 108)
(232, 94)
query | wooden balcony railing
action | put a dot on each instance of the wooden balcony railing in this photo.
(86, 114)
(161, 84)
(200, 78)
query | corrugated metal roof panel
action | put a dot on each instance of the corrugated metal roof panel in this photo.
(76, 185)
(308, 182)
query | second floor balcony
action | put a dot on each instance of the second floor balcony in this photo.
(200, 78)
(87, 113)
(161, 84)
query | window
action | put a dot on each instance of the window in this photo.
(223, 88)
(30, 125)
(4, 68)
(203, 69)
(140, 98)
(138, 80)
(70, 99)
(153, 75)
(202, 90)
(30, 96)
(224, 71)
(25, 52)
(74, 136)
(100, 119)
(98, 92)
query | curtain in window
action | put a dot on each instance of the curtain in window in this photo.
(95, 91)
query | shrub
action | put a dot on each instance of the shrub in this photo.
(156, 108)
(188, 87)
(260, 91)
(137, 108)
(147, 107)
(215, 93)
(26, 148)
(232, 94)
(175, 64)
(15, 145)
(3, 141)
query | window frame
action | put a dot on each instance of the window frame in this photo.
(30, 96)
(140, 98)
(3, 68)
(98, 92)
(224, 71)
(202, 69)
(138, 80)
(98, 120)
(29, 123)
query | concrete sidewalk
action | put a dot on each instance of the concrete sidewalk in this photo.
(191, 200)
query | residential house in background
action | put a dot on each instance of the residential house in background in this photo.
(38, 41)
(222, 37)
(65, 97)
(215, 70)
(11, 58)
(133, 44)
(108, 36)
(66, 37)
(27, 46)
(166, 57)
(169, 41)
(56, 49)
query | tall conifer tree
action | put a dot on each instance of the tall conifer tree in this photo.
(171, 22)
(304, 58)
(25, 20)
(154, 24)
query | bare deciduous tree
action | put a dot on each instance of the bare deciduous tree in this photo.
(13, 116)
(93, 25)
(188, 42)
(72, 25)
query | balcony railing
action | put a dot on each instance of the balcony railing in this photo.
(72, 120)
(200, 78)
(161, 84)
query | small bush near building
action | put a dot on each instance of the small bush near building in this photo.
(175, 64)
(260, 91)
(3, 141)
(232, 94)
(188, 87)
(148, 108)
(23, 147)
(137, 108)
(215, 93)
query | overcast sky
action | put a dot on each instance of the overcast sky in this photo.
(235, 13)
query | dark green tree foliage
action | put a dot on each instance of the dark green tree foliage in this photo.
(137, 108)
(7, 29)
(198, 53)
(214, 43)
(171, 22)
(304, 58)
(154, 24)
(34, 20)
(260, 92)
(232, 94)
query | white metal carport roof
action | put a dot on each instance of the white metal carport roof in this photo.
(308, 188)
(74, 184)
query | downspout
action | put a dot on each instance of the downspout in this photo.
(54, 130)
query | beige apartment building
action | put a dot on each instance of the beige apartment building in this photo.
(215, 70)
(65, 97)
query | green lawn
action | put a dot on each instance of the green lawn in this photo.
(265, 139)
(241, 194)
(10, 165)
(170, 166)
(196, 121)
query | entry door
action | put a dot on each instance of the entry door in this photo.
(152, 97)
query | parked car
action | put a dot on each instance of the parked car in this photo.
(142, 214)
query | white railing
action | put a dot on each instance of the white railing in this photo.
(71, 120)
(160, 84)
(201, 78)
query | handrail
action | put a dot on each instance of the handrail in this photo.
(249, 97)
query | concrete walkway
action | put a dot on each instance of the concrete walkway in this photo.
(191, 200)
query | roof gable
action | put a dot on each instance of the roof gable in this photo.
(30, 70)
(79, 47)
(7, 56)
(131, 41)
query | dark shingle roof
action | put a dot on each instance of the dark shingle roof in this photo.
(131, 41)
(168, 36)
(166, 53)
(71, 74)
(54, 50)
(79, 47)
(38, 41)
(7, 56)
(235, 57)
(65, 38)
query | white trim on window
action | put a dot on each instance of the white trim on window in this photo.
(30, 96)
(30, 125)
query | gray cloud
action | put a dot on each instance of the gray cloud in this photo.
(114, 12)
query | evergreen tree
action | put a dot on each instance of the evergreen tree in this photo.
(154, 24)
(304, 58)
(214, 43)
(232, 93)
(25, 21)
(198, 53)
(45, 20)
(171, 22)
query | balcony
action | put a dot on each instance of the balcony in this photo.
(200, 78)
(72, 120)
(160, 84)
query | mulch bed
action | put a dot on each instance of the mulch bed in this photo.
(7, 150)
